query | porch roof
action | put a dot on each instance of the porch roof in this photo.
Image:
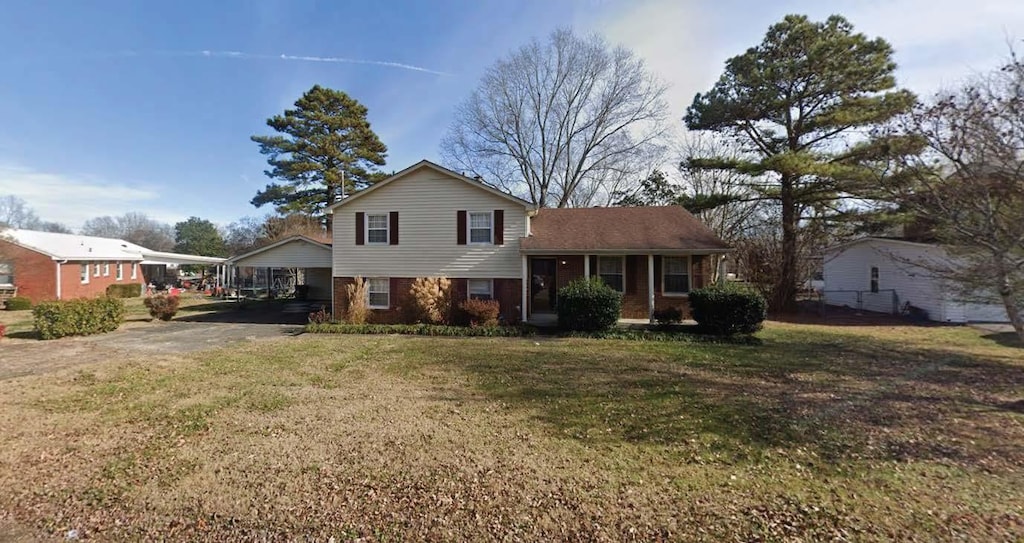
(620, 230)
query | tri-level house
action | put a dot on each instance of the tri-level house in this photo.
(428, 221)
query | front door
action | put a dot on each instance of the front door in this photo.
(543, 287)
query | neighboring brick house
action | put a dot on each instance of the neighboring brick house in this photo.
(428, 221)
(50, 266)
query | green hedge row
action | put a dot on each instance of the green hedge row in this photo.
(18, 303)
(124, 290)
(419, 330)
(728, 309)
(78, 317)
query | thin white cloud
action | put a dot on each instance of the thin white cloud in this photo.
(74, 199)
(240, 55)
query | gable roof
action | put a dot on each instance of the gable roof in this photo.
(877, 239)
(439, 169)
(289, 239)
(79, 247)
(619, 230)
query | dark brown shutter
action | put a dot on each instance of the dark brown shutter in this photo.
(632, 271)
(657, 273)
(393, 294)
(360, 228)
(393, 227)
(499, 226)
(697, 269)
(460, 225)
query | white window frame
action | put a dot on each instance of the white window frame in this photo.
(84, 277)
(490, 289)
(106, 269)
(96, 269)
(135, 270)
(7, 268)
(369, 291)
(490, 227)
(622, 260)
(119, 272)
(689, 275)
(386, 229)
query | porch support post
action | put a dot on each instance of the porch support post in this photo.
(523, 287)
(586, 266)
(650, 287)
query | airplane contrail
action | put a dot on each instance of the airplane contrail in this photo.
(293, 57)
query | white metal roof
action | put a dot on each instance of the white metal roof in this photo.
(79, 247)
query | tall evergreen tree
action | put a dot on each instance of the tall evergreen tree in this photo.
(324, 146)
(800, 104)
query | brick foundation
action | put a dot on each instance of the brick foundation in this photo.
(506, 291)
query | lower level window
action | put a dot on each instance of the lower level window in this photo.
(6, 273)
(481, 289)
(96, 269)
(85, 273)
(378, 292)
(612, 271)
(676, 271)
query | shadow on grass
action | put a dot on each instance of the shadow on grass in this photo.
(1006, 339)
(251, 312)
(838, 398)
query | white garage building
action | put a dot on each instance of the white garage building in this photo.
(883, 275)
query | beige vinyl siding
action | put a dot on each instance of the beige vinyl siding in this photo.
(294, 254)
(427, 202)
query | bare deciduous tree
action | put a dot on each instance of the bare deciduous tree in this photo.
(562, 123)
(133, 227)
(969, 184)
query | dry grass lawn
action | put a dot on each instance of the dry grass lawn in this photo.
(821, 433)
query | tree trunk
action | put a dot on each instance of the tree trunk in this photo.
(1010, 302)
(784, 294)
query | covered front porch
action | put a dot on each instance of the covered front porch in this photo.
(648, 281)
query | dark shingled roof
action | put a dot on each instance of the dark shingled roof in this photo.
(669, 228)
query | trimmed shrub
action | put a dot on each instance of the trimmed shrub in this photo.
(320, 316)
(18, 303)
(420, 330)
(358, 304)
(162, 307)
(481, 312)
(668, 315)
(432, 299)
(588, 305)
(728, 309)
(124, 290)
(80, 317)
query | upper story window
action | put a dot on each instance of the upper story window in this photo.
(675, 274)
(612, 270)
(874, 279)
(480, 228)
(84, 274)
(377, 228)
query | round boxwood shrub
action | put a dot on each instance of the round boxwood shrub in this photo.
(588, 305)
(728, 309)
(18, 303)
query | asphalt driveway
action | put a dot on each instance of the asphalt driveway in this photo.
(20, 357)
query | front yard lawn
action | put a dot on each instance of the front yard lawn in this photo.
(821, 433)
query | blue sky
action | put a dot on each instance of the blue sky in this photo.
(109, 107)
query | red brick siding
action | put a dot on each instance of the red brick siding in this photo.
(506, 291)
(634, 302)
(35, 275)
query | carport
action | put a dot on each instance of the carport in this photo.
(282, 269)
